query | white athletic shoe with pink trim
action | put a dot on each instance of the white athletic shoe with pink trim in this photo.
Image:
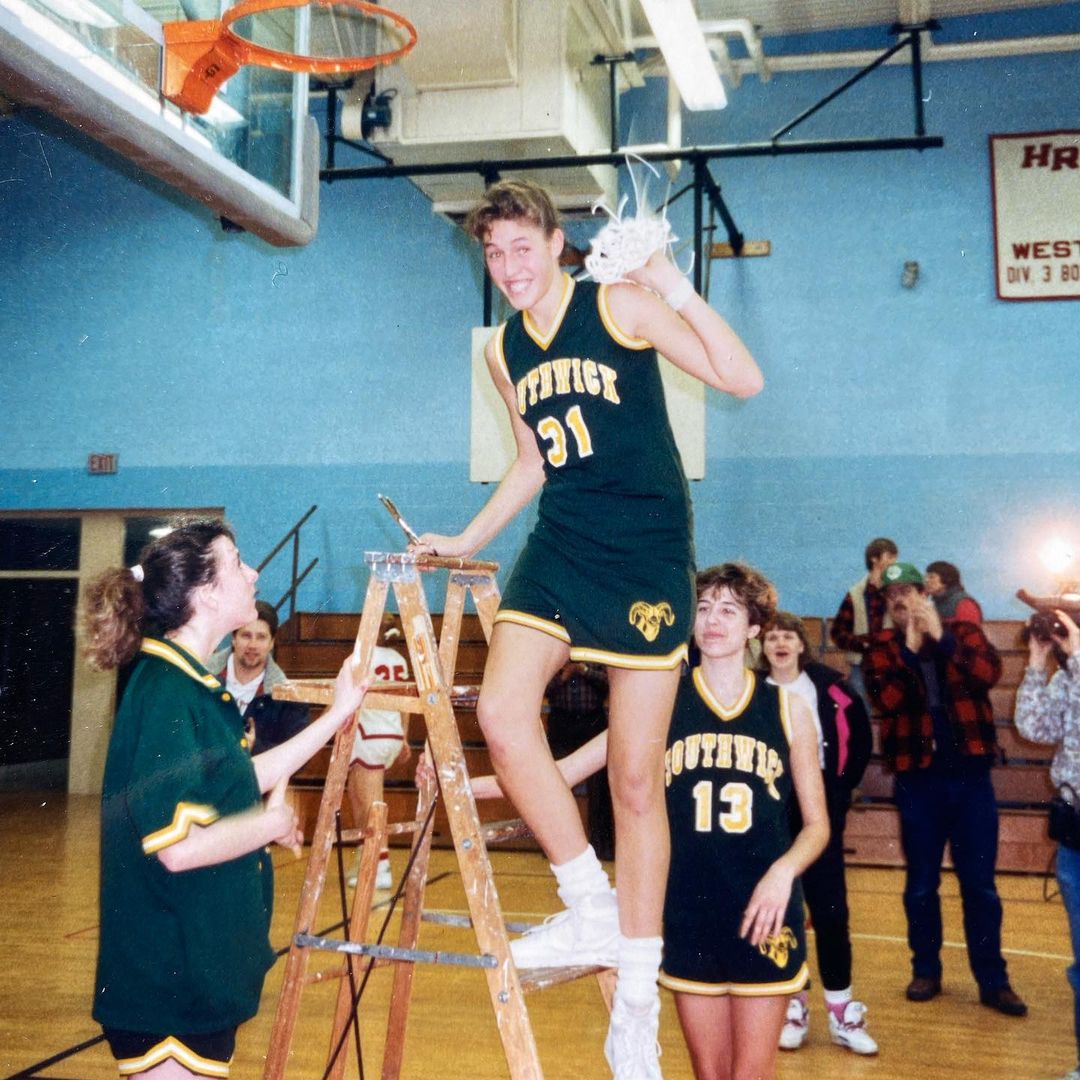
(850, 1031)
(796, 1026)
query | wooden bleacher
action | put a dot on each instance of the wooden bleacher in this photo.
(314, 645)
(1021, 776)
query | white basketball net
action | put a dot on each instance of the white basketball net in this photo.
(626, 243)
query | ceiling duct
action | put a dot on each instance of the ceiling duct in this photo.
(523, 86)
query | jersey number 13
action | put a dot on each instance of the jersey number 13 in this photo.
(739, 798)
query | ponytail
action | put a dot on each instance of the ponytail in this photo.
(112, 619)
(153, 597)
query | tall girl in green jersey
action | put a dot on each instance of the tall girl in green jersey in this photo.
(605, 577)
(186, 885)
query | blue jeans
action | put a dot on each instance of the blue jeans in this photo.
(1068, 875)
(936, 808)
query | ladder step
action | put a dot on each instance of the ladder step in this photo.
(324, 975)
(398, 828)
(495, 832)
(383, 695)
(447, 918)
(543, 978)
(338, 973)
(392, 952)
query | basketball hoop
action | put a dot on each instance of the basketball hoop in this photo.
(200, 55)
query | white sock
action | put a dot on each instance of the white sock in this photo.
(639, 968)
(837, 1001)
(581, 877)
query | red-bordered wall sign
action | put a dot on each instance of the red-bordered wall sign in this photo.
(1036, 189)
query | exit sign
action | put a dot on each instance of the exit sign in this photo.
(102, 464)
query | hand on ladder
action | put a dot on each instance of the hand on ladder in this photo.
(291, 836)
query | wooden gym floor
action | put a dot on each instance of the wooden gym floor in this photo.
(48, 893)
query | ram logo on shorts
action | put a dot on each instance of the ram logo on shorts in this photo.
(777, 946)
(648, 617)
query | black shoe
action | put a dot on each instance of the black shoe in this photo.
(1004, 999)
(923, 988)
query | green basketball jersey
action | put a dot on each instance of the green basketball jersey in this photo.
(181, 952)
(592, 395)
(728, 792)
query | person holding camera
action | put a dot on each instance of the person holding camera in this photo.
(1049, 712)
(931, 682)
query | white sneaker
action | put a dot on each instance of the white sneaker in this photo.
(631, 1047)
(586, 934)
(384, 879)
(850, 1032)
(796, 1026)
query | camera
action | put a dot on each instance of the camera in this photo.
(1046, 627)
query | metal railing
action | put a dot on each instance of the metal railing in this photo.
(297, 574)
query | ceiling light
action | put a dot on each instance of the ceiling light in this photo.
(1057, 555)
(675, 26)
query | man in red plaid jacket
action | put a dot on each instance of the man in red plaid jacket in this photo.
(931, 684)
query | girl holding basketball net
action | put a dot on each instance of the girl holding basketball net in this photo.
(606, 576)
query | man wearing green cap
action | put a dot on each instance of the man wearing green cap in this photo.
(931, 684)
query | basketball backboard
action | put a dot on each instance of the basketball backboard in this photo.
(253, 157)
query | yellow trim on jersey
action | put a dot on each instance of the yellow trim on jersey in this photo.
(533, 622)
(171, 1047)
(544, 340)
(500, 354)
(631, 661)
(184, 816)
(776, 989)
(716, 704)
(785, 712)
(171, 655)
(613, 328)
(583, 653)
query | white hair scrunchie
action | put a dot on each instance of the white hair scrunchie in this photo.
(136, 572)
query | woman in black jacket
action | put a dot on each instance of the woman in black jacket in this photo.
(843, 752)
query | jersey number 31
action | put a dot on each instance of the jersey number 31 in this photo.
(553, 431)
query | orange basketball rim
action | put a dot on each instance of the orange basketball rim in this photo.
(201, 54)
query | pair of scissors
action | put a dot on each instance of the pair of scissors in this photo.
(406, 528)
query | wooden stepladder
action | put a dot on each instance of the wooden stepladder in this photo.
(432, 694)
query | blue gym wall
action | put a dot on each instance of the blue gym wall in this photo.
(226, 372)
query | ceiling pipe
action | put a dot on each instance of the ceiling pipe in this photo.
(967, 50)
(789, 147)
(764, 66)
